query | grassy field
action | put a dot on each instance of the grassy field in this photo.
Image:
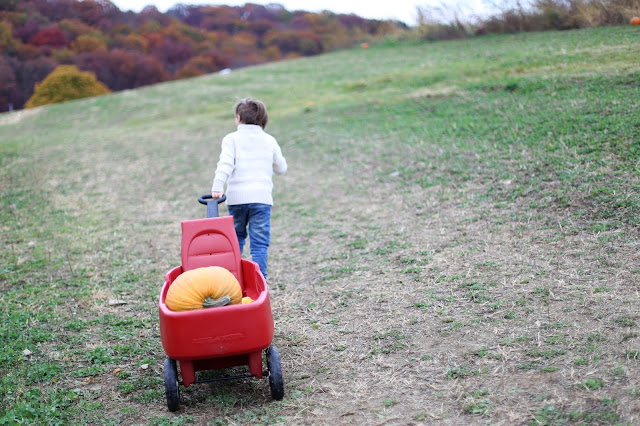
(456, 241)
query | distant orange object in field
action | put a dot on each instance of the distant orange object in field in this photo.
(635, 20)
(365, 45)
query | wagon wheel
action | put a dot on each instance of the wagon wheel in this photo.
(171, 384)
(275, 373)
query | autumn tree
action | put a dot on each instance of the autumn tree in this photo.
(287, 41)
(49, 37)
(88, 43)
(66, 83)
(131, 42)
(198, 65)
(122, 69)
(25, 52)
(99, 63)
(74, 28)
(96, 13)
(173, 54)
(133, 69)
(27, 30)
(148, 71)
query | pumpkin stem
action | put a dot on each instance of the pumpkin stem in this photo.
(214, 303)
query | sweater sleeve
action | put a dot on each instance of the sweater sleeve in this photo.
(226, 165)
(279, 162)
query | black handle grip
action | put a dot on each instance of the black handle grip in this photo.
(212, 205)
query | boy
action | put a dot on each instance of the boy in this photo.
(248, 160)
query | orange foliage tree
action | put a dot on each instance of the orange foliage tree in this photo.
(66, 83)
(87, 43)
(135, 42)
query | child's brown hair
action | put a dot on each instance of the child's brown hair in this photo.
(252, 111)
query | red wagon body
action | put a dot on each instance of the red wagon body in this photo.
(222, 337)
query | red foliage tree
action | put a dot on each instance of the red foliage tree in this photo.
(149, 71)
(121, 69)
(49, 37)
(173, 55)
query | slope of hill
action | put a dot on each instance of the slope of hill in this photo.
(456, 240)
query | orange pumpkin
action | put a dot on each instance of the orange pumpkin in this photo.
(203, 287)
(635, 20)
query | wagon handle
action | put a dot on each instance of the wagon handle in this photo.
(212, 205)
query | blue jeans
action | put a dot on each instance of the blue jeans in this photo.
(258, 218)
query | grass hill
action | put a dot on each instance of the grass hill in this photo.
(456, 240)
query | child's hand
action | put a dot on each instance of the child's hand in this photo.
(216, 195)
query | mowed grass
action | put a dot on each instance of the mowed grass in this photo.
(456, 240)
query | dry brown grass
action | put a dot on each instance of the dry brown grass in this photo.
(441, 23)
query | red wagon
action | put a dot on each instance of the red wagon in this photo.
(223, 337)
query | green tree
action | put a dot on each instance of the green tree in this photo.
(66, 83)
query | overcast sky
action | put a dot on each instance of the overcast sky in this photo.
(403, 10)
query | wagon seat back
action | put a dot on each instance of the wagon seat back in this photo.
(211, 242)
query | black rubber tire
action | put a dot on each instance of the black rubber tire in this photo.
(276, 383)
(171, 384)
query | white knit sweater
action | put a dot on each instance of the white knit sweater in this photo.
(248, 160)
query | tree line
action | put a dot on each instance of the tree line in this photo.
(126, 50)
